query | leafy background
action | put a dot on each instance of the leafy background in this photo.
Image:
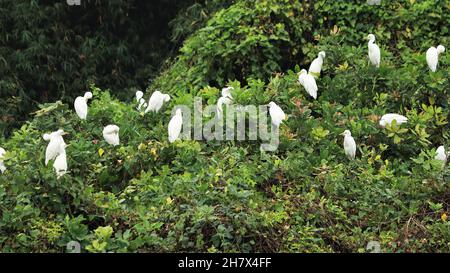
(149, 195)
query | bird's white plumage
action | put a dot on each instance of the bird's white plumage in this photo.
(2, 165)
(139, 95)
(175, 126)
(432, 56)
(60, 163)
(308, 82)
(441, 154)
(276, 113)
(388, 118)
(111, 134)
(53, 147)
(226, 92)
(156, 101)
(80, 104)
(374, 51)
(349, 145)
(316, 66)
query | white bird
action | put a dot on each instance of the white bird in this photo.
(374, 51)
(316, 66)
(139, 95)
(60, 164)
(55, 140)
(175, 126)
(308, 82)
(349, 145)
(2, 165)
(226, 92)
(142, 104)
(81, 106)
(221, 101)
(441, 154)
(111, 134)
(388, 118)
(433, 56)
(276, 113)
(156, 101)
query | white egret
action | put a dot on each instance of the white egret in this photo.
(374, 51)
(308, 82)
(81, 106)
(316, 66)
(226, 92)
(2, 165)
(142, 104)
(175, 126)
(139, 95)
(433, 56)
(349, 145)
(156, 101)
(55, 140)
(388, 118)
(441, 154)
(276, 113)
(60, 164)
(111, 134)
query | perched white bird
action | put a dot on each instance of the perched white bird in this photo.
(111, 134)
(308, 82)
(433, 56)
(2, 165)
(139, 95)
(60, 164)
(221, 101)
(142, 104)
(349, 145)
(441, 154)
(81, 106)
(388, 118)
(276, 113)
(226, 92)
(156, 101)
(374, 51)
(316, 66)
(175, 126)
(55, 140)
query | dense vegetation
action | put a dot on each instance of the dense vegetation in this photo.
(150, 195)
(50, 50)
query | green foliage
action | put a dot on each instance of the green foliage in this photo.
(197, 196)
(50, 50)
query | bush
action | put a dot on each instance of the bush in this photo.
(50, 50)
(197, 196)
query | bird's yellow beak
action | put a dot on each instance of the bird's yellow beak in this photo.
(64, 134)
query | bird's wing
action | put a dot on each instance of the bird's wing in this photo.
(350, 146)
(374, 54)
(398, 118)
(277, 115)
(81, 107)
(175, 127)
(311, 86)
(301, 79)
(432, 59)
(52, 151)
(155, 102)
(315, 66)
